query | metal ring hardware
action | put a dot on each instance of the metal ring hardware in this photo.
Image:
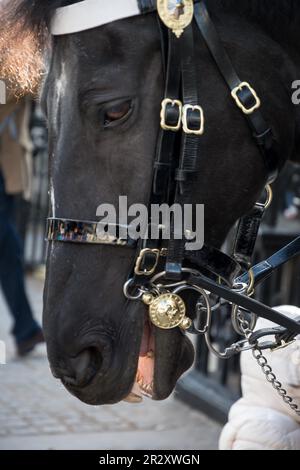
(127, 291)
(207, 307)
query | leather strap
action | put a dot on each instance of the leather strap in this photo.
(146, 6)
(166, 141)
(246, 236)
(189, 154)
(264, 269)
(262, 132)
(282, 336)
(214, 262)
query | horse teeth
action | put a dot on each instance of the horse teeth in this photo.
(133, 398)
(146, 388)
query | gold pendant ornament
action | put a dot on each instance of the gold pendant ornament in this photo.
(167, 311)
(176, 14)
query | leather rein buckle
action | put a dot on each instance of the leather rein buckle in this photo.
(147, 262)
(235, 95)
(191, 115)
(169, 106)
(174, 113)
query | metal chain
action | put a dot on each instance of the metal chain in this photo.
(245, 325)
(272, 379)
(265, 367)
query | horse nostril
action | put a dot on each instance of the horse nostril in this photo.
(81, 362)
(84, 367)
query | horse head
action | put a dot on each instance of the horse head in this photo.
(102, 96)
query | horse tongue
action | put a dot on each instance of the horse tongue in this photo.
(145, 340)
(135, 395)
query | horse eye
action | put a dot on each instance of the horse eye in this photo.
(117, 112)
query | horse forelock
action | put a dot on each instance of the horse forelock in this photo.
(21, 52)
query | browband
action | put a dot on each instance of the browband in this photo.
(90, 14)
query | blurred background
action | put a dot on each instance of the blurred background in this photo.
(35, 410)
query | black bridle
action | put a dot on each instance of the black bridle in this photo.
(161, 269)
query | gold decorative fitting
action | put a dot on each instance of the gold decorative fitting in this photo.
(234, 94)
(163, 124)
(269, 199)
(147, 298)
(138, 270)
(185, 125)
(168, 311)
(186, 323)
(176, 15)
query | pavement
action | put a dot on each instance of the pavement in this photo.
(36, 412)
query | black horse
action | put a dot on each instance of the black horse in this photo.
(102, 95)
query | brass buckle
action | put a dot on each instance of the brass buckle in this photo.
(234, 94)
(146, 272)
(269, 199)
(163, 123)
(186, 129)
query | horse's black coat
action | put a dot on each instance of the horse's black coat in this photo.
(93, 336)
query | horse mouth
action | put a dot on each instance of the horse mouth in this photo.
(152, 369)
(144, 379)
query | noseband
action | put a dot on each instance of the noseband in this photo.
(164, 270)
